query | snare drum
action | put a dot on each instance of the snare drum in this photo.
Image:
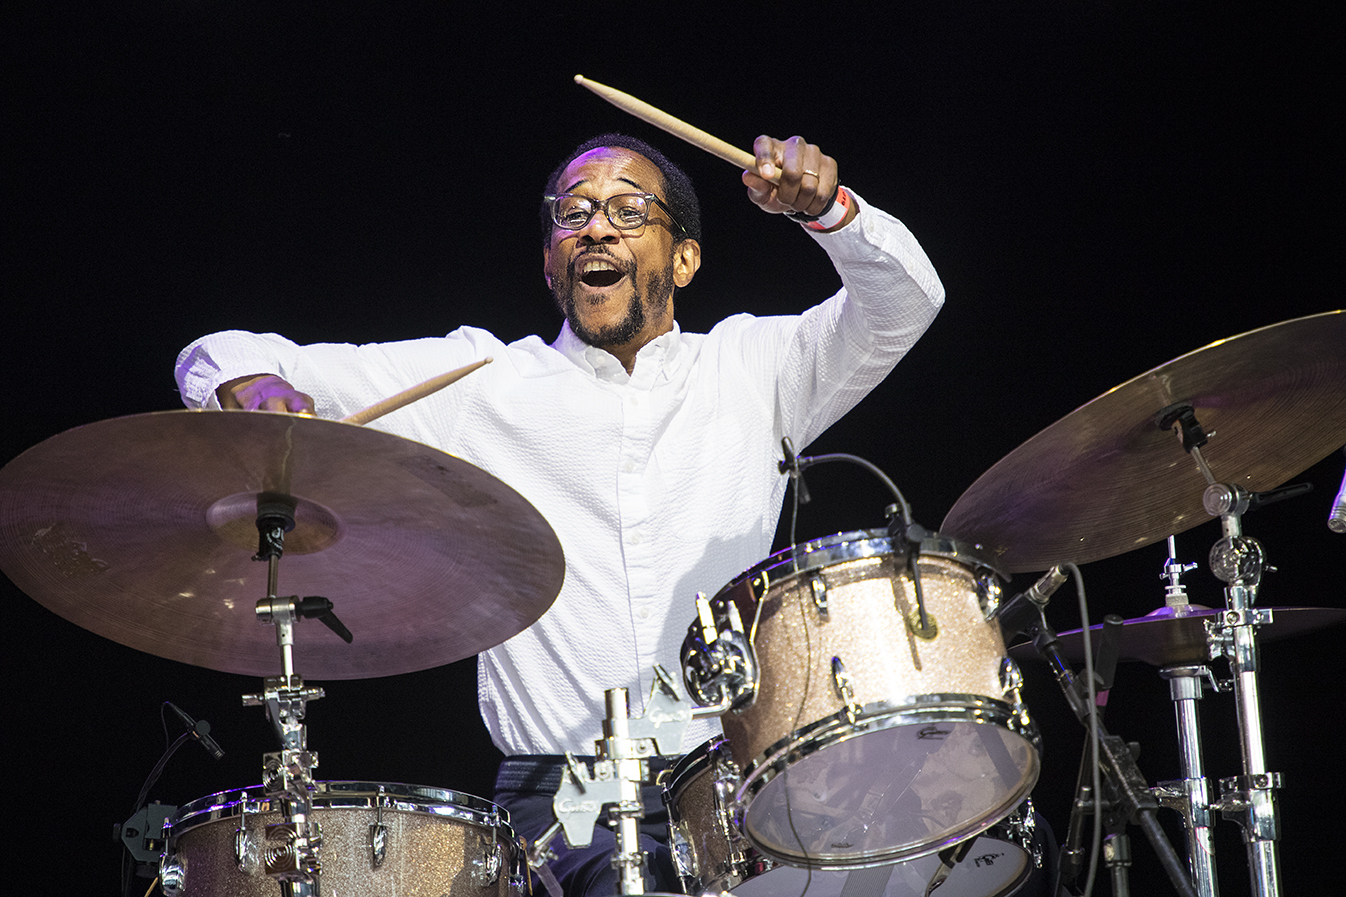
(712, 856)
(872, 740)
(377, 839)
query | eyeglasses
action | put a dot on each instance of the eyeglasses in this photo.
(626, 211)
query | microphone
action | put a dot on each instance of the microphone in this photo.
(1336, 521)
(199, 730)
(792, 466)
(1021, 612)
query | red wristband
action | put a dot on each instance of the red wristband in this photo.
(834, 215)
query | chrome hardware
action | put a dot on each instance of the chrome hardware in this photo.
(819, 589)
(172, 875)
(1237, 560)
(760, 585)
(291, 851)
(989, 593)
(241, 847)
(378, 833)
(486, 867)
(841, 682)
(718, 662)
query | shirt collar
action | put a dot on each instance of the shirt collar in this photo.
(654, 358)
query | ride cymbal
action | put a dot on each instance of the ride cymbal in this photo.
(1107, 479)
(142, 529)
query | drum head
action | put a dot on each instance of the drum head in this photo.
(992, 867)
(892, 788)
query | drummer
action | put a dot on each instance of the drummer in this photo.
(651, 452)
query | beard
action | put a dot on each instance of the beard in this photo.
(643, 305)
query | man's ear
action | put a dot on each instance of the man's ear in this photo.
(686, 262)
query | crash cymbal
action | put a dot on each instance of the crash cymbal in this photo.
(1106, 479)
(1178, 635)
(142, 529)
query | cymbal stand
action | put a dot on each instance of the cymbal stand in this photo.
(1238, 561)
(622, 766)
(291, 855)
(1190, 795)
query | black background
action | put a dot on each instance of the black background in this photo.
(1103, 186)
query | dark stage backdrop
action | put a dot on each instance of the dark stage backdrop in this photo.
(1103, 186)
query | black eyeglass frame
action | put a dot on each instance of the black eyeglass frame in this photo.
(552, 199)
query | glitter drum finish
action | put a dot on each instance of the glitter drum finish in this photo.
(868, 741)
(437, 842)
(712, 856)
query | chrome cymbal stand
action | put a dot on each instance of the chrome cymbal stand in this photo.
(292, 852)
(1238, 561)
(1189, 795)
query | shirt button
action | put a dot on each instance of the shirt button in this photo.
(643, 613)
(629, 466)
(636, 538)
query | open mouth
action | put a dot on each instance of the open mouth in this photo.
(599, 273)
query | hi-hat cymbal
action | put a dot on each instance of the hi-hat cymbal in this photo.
(142, 529)
(1178, 635)
(1106, 479)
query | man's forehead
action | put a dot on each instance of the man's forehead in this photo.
(613, 162)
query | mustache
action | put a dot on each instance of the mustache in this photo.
(626, 266)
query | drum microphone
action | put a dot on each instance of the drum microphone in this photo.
(793, 465)
(1336, 521)
(199, 731)
(1021, 612)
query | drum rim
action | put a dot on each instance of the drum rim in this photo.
(347, 794)
(828, 551)
(881, 716)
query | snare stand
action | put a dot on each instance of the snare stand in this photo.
(618, 773)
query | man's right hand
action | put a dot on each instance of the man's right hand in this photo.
(263, 392)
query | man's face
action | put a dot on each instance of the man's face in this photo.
(615, 287)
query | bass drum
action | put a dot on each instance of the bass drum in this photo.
(379, 839)
(713, 857)
(872, 737)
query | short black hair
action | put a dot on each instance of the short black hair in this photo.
(678, 191)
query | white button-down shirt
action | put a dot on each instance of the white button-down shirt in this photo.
(659, 484)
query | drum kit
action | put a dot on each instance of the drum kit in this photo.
(876, 741)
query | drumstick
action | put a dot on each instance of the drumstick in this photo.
(415, 393)
(675, 126)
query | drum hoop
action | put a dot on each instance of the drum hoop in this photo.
(438, 802)
(879, 716)
(828, 551)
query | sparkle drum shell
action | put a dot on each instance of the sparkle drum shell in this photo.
(712, 856)
(871, 740)
(437, 843)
